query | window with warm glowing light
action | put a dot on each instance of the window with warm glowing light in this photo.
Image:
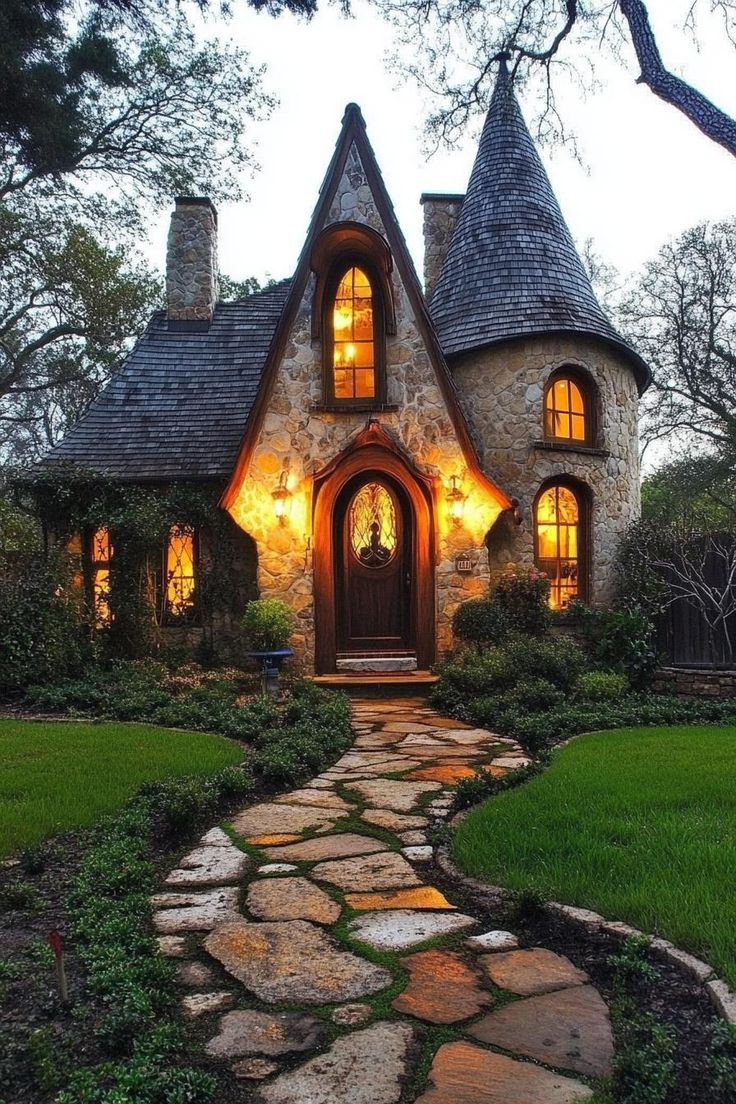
(100, 562)
(180, 572)
(566, 417)
(558, 523)
(373, 536)
(353, 338)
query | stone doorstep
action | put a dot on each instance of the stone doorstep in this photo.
(378, 664)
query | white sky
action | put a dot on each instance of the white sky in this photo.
(647, 174)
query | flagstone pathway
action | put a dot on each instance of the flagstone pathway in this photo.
(302, 931)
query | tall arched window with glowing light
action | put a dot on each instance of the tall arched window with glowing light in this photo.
(101, 552)
(179, 573)
(353, 338)
(559, 544)
(568, 412)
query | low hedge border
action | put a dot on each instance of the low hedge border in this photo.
(702, 973)
(143, 1053)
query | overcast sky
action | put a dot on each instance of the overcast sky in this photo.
(647, 173)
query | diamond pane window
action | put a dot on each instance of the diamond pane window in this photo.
(353, 346)
(180, 571)
(564, 411)
(373, 536)
(557, 525)
(100, 560)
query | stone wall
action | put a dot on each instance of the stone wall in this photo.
(695, 682)
(441, 213)
(501, 390)
(191, 260)
(299, 438)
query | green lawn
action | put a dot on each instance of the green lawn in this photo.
(638, 824)
(59, 776)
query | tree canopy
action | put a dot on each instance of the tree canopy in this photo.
(453, 45)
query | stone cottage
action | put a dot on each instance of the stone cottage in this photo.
(381, 449)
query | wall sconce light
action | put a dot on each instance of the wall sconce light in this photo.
(456, 501)
(280, 498)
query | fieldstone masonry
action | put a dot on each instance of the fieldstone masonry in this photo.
(441, 213)
(501, 390)
(191, 260)
(298, 437)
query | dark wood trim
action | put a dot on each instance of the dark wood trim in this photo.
(375, 451)
(327, 287)
(551, 445)
(590, 393)
(353, 131)
(342, 240)
(362, 408)
(584, 499)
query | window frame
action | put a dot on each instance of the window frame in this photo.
(582, 496)
(94, 567)
(338, 269)
(588, 394)
(192, 614)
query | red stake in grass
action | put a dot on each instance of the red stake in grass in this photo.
(57, 946)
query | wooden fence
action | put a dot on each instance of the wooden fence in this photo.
(684, 636)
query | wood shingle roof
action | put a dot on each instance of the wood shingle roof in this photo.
(512, 269)
(178, 407)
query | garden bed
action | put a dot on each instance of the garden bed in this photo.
(121, 1040)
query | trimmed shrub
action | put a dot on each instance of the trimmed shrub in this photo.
(533, 696)
(620, 640)
(522, 596)
(480, 621)
(268, 624)
(560, 662)
(601, 686)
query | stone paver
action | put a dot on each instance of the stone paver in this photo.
(389, 793)
(270, 818)
(570, 1029)
(530, 972)
(464, 1074)
(291, 899)
(293, 961)
(270, 928)
(195, 1005)
(363, 1068)
(327, 847)
(369, 872)
(215, 864)
(399, 929)
(442, 988)
(249, 1032)
(424, 897)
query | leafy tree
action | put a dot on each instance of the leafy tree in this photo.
(694, 490)
(454, 45)
(107, 110)
(681, 315)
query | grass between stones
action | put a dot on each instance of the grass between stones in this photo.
(638, 824)
(66, 775)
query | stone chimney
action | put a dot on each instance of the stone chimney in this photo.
(191, 263)
(441, 212)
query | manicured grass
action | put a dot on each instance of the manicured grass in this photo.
(59, 776)
(638, 824)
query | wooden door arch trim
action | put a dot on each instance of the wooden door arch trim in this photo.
(328, 486)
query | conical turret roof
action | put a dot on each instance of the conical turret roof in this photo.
(512, 269)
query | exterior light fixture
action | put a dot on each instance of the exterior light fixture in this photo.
(456, 501)
(280, 497)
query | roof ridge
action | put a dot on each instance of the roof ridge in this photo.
(512, 268)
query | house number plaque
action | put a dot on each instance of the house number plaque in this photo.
(464, 565)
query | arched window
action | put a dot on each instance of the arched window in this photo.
(568, 414)
(353, 338)
(100, 555)
(352, 312)
(180, 578)
(560, 524)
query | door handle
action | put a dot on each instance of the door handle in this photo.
(407, 580)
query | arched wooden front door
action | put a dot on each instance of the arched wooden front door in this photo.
(372, 546)
(373, 555)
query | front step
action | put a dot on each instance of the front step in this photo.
(390, 685)
(376, 664)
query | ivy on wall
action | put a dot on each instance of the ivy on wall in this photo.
(139, 519)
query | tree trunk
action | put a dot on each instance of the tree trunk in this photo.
(708, 118)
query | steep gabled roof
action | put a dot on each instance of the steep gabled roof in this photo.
(353, 132)
(512, 268)
(176, 408)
